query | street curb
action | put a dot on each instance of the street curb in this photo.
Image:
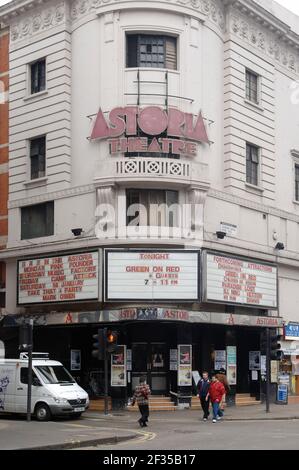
(78, 444)
(270, 418)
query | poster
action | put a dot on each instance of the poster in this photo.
(75, 359)
(173, 359)
(254, 360)
(129, 359)
(185, 365)
(118, 367)
(220, 360)
(196, 377)
(231, 375)
(231, 370)
(274, 372)
(184, 376)
(263, 365)
(254, 375)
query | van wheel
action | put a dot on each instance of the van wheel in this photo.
(42, 412)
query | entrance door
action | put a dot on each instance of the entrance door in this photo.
(150, 360)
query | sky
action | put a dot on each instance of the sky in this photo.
(292, 5)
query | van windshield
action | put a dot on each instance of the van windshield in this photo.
(54, 374)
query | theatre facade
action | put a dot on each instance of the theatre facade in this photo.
(153, 187)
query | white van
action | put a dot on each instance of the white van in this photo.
(54, 391)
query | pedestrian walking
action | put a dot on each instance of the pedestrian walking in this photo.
(221, 376)
(141, 395)
(203, 394)
(216, 393)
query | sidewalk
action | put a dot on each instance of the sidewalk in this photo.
(66, 434)
(244, 413)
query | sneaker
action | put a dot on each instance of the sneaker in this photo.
(218, 418)
(214, 421)
(205, 419)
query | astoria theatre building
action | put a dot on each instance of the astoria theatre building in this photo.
(153, 186)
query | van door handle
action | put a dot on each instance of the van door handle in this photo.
(20, 388)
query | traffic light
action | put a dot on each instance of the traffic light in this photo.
(111, 341)
(275, 351)
(98, 351)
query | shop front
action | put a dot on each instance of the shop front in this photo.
(289, 366)
(176, 312)
(163, 344)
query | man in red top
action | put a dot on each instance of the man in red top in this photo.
(141, 395)
(216, 393)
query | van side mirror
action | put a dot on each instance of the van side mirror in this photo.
(36, 382)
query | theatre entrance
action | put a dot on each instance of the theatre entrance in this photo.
(151, 360)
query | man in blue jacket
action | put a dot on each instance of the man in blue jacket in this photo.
(203, 390)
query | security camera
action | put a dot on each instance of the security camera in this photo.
(221, 235)
(77, 231)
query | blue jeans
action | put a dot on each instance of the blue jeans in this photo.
(215, 407)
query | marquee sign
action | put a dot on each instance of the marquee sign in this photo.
(59, 279)
(170, 131)
(239, 281)
(152, 275)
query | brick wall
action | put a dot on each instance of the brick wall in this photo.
(4, 83)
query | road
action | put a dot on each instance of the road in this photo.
(193, 434)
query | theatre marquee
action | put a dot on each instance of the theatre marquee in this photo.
(152, 275)
(65, 278)
(235, 280)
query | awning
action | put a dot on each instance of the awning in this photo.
(147, 313)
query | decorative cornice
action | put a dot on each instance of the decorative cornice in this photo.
(37, 21)
(213, 9)
(76, 191)
(267, 42)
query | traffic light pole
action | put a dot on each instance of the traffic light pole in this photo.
(268, 369)
(30, 349)
(106, 379)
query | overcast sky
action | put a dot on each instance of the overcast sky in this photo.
(293, 5)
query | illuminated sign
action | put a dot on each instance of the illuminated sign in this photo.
(170, 131)
(152, 275)
(59, 279)
(239, 281)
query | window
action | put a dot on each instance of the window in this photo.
(144, 50)
(252, 164)
(38, 76)
(151, 207)
(24, 375)
(297, 182)
(55, 375)
(252, 86)
(37, 221)
(38, 157)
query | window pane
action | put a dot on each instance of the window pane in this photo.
(151, 51)
(297, 181)
(251, 86)
(252, 162)
(38, 76)
(37, 221)
(38, 157)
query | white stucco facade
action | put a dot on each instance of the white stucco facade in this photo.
(84, 43)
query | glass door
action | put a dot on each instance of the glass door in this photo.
(150, 360)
